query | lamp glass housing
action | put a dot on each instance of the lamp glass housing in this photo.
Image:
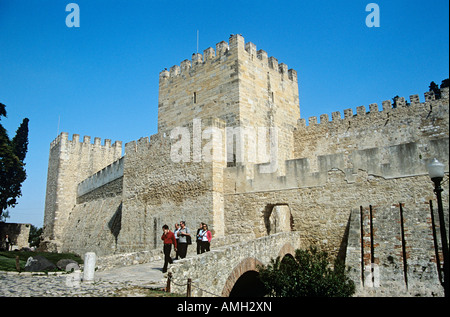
(436, 169)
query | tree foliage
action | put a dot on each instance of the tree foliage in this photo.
(435, 88)
(12, 166)
(394, 101)
(308, 273)
(445, 83)
(35, 236)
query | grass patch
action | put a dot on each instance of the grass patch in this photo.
(9, 264)
(8, 258)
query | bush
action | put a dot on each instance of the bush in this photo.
(35, 236)
(307, 274)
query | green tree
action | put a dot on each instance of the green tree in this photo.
(394, 101)
(308, 273)
(12, 166)
(435, 87)
(5, 215)
(35, 236)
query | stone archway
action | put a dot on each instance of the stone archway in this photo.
(249, 264)
(277, 218)
(286, 249)
(248, 285)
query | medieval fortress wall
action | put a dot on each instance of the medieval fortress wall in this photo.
(213, 112)
(71, 162)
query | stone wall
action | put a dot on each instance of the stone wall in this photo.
(416, 122)
(391, 251)
(268, 97)
(71, 162)
(101, 178)
(158, 190)
(18, 234)
(320, 203)
(95, 221)
(212, 79)
(377, 158)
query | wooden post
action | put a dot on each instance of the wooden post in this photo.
(17, 263)
(169, 278)
(188, 292)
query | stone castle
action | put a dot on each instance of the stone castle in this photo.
(232, 151)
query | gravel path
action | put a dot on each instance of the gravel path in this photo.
(132, 280)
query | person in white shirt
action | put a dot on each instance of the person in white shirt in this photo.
(206, 238)
(176, 232)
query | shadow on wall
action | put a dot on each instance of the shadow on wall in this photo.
(344, 242)
(115, 223)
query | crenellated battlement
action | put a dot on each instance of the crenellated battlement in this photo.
(141, 144)
(372, 127)
(224, 50)
(63, 138)
(145, 144)
(373, 109)
(235, 82)
(164, 140)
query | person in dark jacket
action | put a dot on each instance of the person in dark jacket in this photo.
(184, 240)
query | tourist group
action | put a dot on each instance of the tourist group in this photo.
(181, 237)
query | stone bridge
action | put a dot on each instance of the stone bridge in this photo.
(221, 271)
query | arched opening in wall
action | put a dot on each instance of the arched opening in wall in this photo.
(278, 218)
(287, 258)
(248, 282)
(248, 285)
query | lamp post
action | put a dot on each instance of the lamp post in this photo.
(436, 172)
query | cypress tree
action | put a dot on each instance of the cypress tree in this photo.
(12, 166)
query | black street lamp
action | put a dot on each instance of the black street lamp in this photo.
(436, 172)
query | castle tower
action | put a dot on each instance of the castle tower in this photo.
(239, 85)
(70, 162)
(234, 89)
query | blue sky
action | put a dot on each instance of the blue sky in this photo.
(101, 79)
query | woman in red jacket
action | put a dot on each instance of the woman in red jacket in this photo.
(206, 238)
(169, 238)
